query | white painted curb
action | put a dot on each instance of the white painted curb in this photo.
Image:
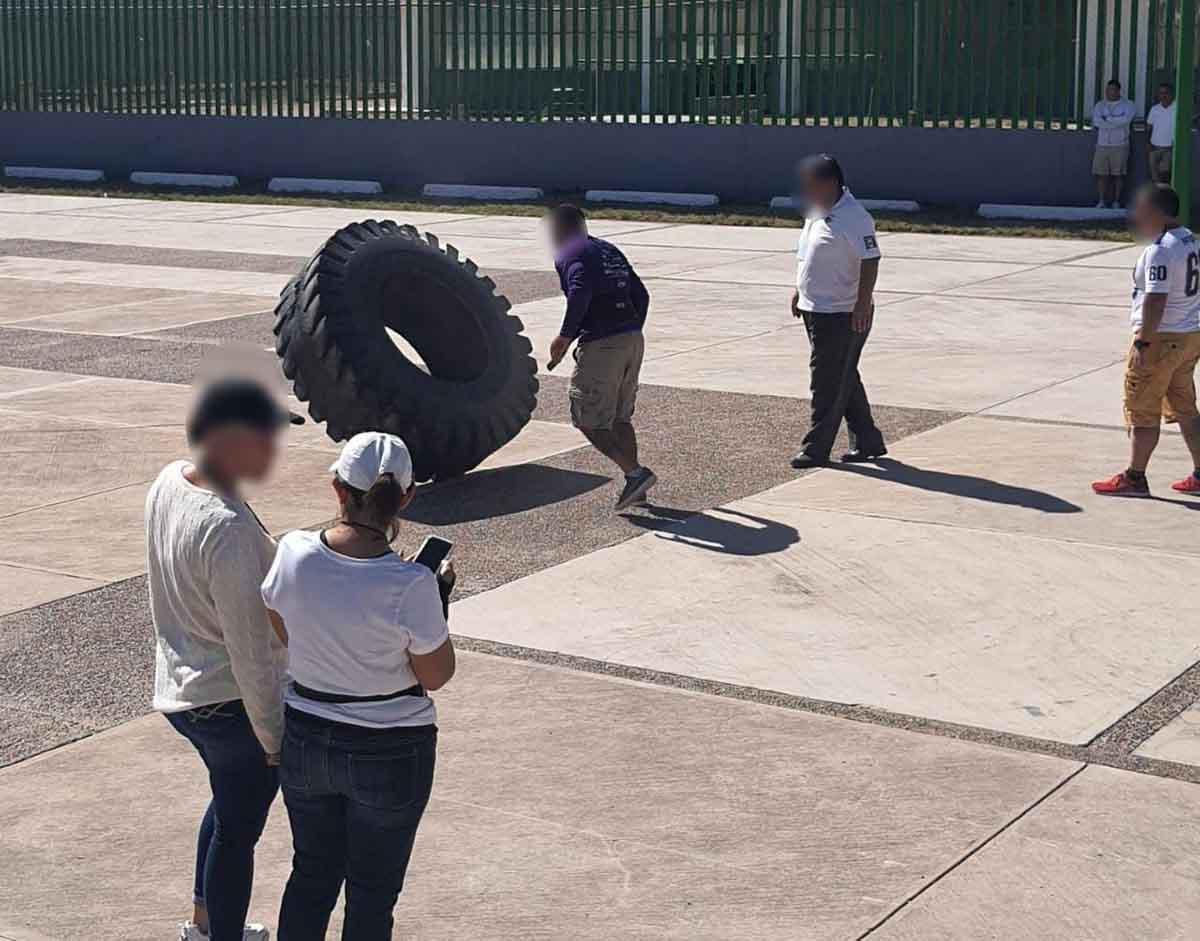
(55, 173)
(1056, 213)
(296, 184)
(206, 180)
(466, 191)
(871, 205)
(657, 199)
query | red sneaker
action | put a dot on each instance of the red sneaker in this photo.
(1189, 484)
(1122, 486)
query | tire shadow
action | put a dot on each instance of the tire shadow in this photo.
(729, 532)
(487, 494)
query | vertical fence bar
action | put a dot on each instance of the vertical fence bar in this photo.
(1114, 69)
(764, 64)
(1151, 47)
(9, 37)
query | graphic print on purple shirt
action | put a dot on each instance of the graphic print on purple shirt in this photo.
(604, 294)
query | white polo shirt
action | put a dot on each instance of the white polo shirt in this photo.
(1170, 266)
(1161, 122)
(830, 254)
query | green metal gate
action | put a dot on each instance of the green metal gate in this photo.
(916, 63)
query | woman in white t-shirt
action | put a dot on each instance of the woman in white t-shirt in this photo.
(367, 639)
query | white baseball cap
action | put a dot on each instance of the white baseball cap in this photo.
(369, 455)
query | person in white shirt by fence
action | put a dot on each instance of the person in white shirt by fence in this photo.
(1160, 134)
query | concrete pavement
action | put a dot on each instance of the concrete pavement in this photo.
(928, 698)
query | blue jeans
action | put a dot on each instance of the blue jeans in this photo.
(243, 787)
(355, 796)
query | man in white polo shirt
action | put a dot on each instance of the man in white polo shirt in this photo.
(838, 262)
(1160, 137)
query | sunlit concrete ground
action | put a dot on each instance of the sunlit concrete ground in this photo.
(944, 697)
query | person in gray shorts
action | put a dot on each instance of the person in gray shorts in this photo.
(606, 310)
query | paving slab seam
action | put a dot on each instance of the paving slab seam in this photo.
(1060, 422)
(1188, 558)
(971, 852)
(1139, 724)
(86, 496)
(853, 712)
(1059, 382)
(48, 385)
(26, 567)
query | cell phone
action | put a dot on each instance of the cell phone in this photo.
(433, 552)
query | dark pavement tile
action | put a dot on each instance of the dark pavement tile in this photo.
(708, 448)
(517, 285)
(91, 355)
(254, 329)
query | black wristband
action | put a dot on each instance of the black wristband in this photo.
(1141, 344)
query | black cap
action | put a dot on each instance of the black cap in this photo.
(236, 402)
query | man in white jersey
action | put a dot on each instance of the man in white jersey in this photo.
(837, 264)
(1160, 373)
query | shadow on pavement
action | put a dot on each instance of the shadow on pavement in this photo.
(713, 531)
(960, 485)
(490, 493)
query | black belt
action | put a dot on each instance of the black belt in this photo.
(315, 694)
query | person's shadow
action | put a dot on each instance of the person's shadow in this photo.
(960, 485)
(719, 530)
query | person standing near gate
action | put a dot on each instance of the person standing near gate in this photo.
(1111, 118)
(1160, 134)
(838, 263)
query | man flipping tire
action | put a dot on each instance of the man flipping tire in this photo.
(838, 262)
(606, 309)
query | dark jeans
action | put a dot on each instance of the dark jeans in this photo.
(837, 389)
(355, 796)
(243, 787)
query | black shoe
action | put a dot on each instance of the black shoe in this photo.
(863, 456)
(636, 488)
(804, 460)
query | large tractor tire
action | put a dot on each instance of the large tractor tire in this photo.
(479, 383)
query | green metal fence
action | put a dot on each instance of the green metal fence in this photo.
(949, 63)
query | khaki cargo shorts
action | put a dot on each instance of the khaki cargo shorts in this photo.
(1110, 161)
(604, 384)
(1160, 161)
(1164, 388)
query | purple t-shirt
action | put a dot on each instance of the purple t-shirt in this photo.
(604, 294)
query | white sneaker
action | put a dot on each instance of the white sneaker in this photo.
(1102, 205)
(190, 931)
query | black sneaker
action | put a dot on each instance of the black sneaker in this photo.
(863, 456)
(804, 460)
(636, 488)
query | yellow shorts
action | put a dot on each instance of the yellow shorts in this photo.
(1164, 387)
(604, 384)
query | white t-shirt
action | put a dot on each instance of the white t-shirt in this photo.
(1161, 122)
(830, 254)
(351, 625)
(206, 555)
(1170, 266)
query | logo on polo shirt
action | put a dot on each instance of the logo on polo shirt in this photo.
(869, 241)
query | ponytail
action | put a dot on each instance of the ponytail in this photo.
(379, 506)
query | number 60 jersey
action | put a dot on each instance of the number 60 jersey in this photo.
(1170, 266)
